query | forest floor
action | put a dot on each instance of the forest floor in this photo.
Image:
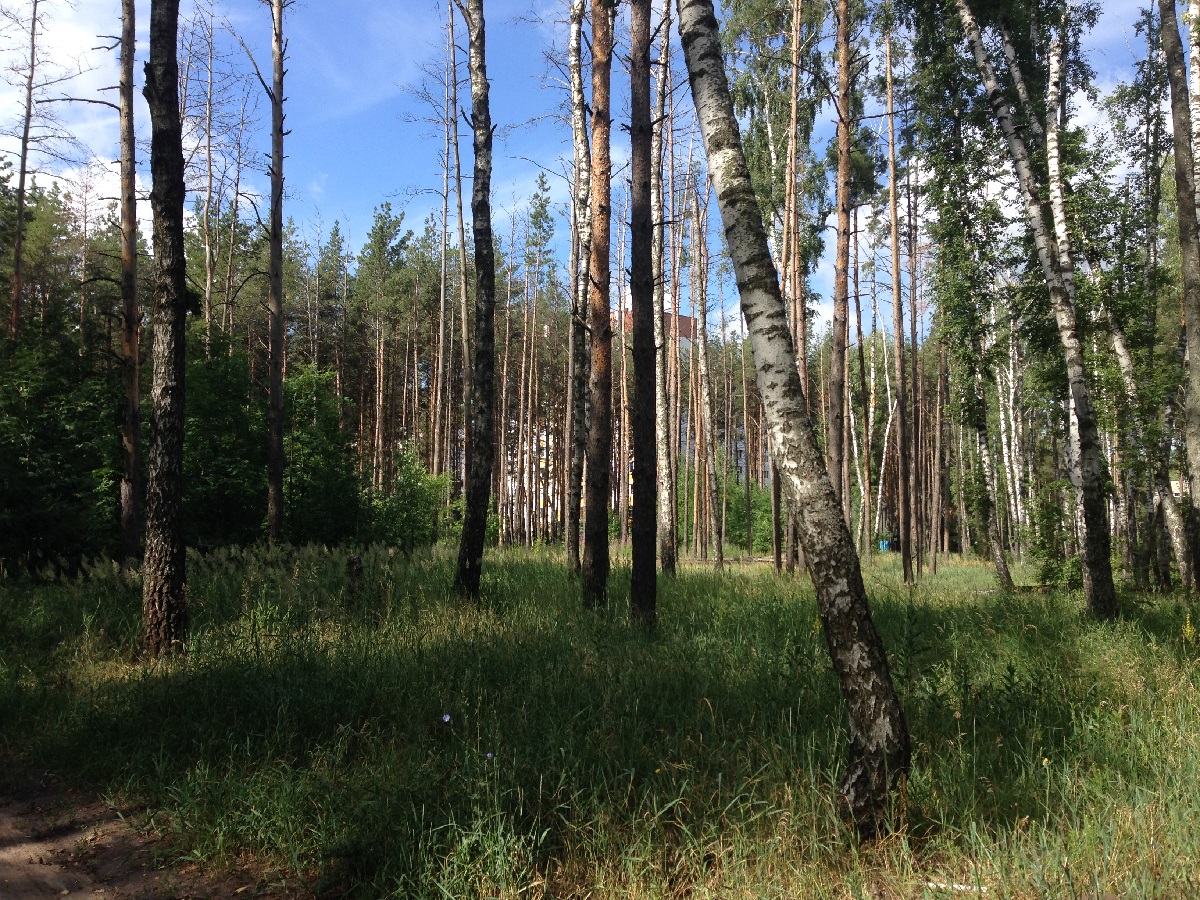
(58, 841)
(398, 742)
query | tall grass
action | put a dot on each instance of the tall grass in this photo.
(402, 743)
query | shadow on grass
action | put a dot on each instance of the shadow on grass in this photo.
(407, 743)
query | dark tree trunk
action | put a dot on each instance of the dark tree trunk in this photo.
(275, 293)
(164, 606)
(903, 511)
(879, 745)
(599, 449)
(131, 412)
(483, 390)
(641, 285)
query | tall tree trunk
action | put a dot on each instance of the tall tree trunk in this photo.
(835, 431)
(14, 322)
(131, 411)
(206, 224)
(642, 589)
(865, 493)
(599, 449)
(988, 500)
(879, 744)
(700, 267)
(916, 387)
(935, 529)
(746, 451)
(903, 479)
(1189, 232)
(450, 117)
(483, 393)
(275, 294)
(579, 298)
(664, 451)
(462, 244)
(164, 603)
(1089, 471)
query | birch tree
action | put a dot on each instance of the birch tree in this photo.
(1189, 230)
(879, 749)
(577, 408)
(481, 452)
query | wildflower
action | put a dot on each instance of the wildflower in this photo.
(446, 718)
(1189, 630)
(491, 756)
(1045, 762)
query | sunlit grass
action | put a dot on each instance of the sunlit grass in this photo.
(1053, 756)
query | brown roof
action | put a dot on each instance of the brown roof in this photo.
(687, 325)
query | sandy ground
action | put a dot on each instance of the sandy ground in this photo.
(56, 842)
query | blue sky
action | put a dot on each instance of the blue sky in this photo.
(352, 63)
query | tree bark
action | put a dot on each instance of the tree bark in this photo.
(879, 744)
(835, 430)
(579, 299)
(903, 479)
(664, 451)
(450, 117)
(131, 318)
(642, 587)
(275, 293)
(164, 603)
(700, 267)
(14, 322)
(1189, 232)
(483, 392)
(599, 449)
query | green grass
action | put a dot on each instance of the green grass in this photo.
(1054, 756)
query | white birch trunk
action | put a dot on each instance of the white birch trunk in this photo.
(879, 743)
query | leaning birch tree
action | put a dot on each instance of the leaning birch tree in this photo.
(879, 751)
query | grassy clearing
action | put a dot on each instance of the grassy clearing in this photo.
(1054, 756)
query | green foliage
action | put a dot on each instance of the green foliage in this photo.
(59, 467)
(407, 516)
(225, 453)
(322, 500)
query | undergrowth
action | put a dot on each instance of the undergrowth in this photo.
(403, 743)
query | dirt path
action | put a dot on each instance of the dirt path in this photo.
(56, 842)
